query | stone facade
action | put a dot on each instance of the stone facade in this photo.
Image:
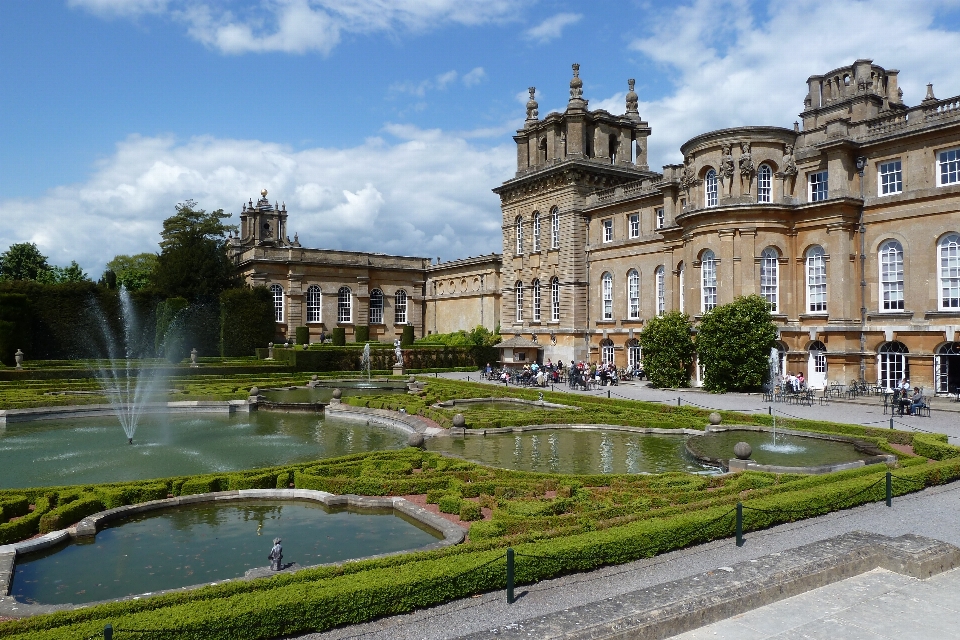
(850, 227)
(463, 294)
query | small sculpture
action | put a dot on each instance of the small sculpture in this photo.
(276, 555)
(532, 106)
(397, 351)
(18, 357)
(746, 160)
(726, 168)
(576, 84)
(633, 100)
(193, 358)
(269, 351)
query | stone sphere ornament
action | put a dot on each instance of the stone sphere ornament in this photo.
(254, 391)
(337, 393)
(714, 418)
(742, 450)
(415, 440)
(459, 421)
(412, 380)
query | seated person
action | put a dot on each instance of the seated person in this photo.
(800, 381)
(916, 401)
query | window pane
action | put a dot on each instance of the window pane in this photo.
(764, 183)
(891, 178)
(400, 307)
(536, 301)
(891, 276)
(635, 225)
(344, 305)
(711, 187)
(519, 291)
(949, 166)
(816, 280)
(555, 230)
(376, 307)
(769, 280)
(818, 186)
(950, 272)
(708, 274)
(313, 304)
(555, 300)
(277, 292)
(607, 283)
(633, 294)
(536, 232)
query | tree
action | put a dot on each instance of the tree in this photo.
(668, 349)
(733, 343)
(23, 261)
(193, 260)
(134, 272)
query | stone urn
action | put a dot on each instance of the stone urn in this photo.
(415, 440)
(193, 357)
(714, 418)
(742, 450)
(18, 357)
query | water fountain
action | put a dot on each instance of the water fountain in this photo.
(365, 360)
(127, 384)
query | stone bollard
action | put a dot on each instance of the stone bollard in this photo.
(269, 351)
(742, 450)
(18, 356)
(714, 418)
(337, 394)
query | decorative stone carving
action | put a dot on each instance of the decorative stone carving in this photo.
(714, 418)
(726, 169)
(688, 179)
(576, 84)
(415, 440)
(788, 173)
(532, 106)
(18, 358)
(746, 168)
(742, 450)
(633, 100)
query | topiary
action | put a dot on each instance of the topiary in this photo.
(338, 336)
(470, 510)
(450, 503)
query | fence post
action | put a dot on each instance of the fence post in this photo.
(891, 422)
(509, 575)
(770, 410)
(739, 524)
(608, 394)
(889, 489)
(678, 401)
(108, 632)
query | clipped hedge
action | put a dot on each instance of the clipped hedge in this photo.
(470, 510)
(361, 333)
(70, 513)
(338, 337)
(26, 526)
(247, 320)
(260, 481)
(204, 484)
(14, 507)
(934, 446)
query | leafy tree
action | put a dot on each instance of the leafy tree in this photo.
(480, 336)
(23, 261)
(134, 272)
(668, 349)
(193, 261)
(71, 273)
(733, 343)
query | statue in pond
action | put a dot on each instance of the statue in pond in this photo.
(276, 555)
(398, 352)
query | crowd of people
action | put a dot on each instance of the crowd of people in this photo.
(575, 374)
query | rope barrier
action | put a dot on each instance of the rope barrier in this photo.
(915, 483)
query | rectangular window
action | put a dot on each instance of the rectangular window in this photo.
(635, 225)
(633, 295)
(660, 218)
(891, 178)
(948, 166)
(709, 284)
(536, 301)
(555, 300)
(816, 283)
(607, 230)
(607, 298)
(818, 186)
(536, 232)
(661, 300)
(555, 230)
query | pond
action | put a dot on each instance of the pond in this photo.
(203, 543)
(575, 451)
(325, 393)
(788, 450)
(499, 405)
(91, 450)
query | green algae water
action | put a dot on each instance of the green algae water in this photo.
(204, 543)
(574, 451)
(787, 450)
(93, 450)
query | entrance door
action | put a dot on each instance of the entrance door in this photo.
(947, 366)
(817, 366)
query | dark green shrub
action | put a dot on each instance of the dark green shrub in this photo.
(26, 526)
(14, 507)
(262, 481)
(247, 320)
(934, 446)
(361, 334)
(434, 495)
(170, 334)
(668, 349)
(470, 510)
(203, 484)
(68, 514)
(733, 344)
(338, 336)
(15, 321)
(450, 503)
(303, 335)
(406, 340)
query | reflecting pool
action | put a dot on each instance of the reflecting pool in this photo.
(787, 450)
(575, 451)
(90, 450)
(325, 393)
(204, 543)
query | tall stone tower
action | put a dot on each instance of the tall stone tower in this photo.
(561, 159)
(262, 224)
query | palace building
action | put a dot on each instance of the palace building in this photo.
(848, 224)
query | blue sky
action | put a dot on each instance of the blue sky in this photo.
(383, 124)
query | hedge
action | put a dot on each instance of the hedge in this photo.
(26, 526)
(338, 336)
(361, 334)
(382, 357)
(204, 484)
(247, 320)
(68, 514)
(934, 446)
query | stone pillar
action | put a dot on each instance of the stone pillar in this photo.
(748, 277)
(725, 273)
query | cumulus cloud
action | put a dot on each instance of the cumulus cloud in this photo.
(439, 82)
(552, 28)
(409, 191)
(299, 26)
(474, 76)
(730, 68)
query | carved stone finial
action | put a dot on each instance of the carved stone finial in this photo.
(532, 105)
(929, 97)
(633, 100)
(576, 84)
(263, 193)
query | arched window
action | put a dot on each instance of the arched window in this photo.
(661, 296)
(770, 277)
(892, 366)
(400, 307)
(708, 281)
(606, 285)
(634, 354)
(519, 234)
(376, 306)
(606, 351)
(710, 184)
(314, 306)
(949, 252)
(555, 228)
(681, 281)
(536, 231)
(817, 366)
(536, 300)
(816, 264)
(555, 299)
(277, 292)
(344, 305)
(633, 294)
(519, 291)
(764, 183)
(947, 368)
(891, 276)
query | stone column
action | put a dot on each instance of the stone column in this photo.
(725, 272)
(748, 277)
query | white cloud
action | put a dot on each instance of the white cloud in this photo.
(729, 70)
(474, 76)
(411, 191)
(552, 28)
(299, 26)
